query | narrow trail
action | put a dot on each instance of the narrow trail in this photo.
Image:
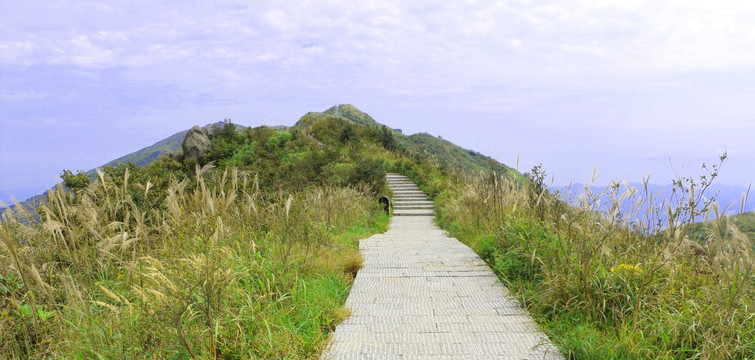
(424, 295)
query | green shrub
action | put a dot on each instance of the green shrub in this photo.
(602, 286)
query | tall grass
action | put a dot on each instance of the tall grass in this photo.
(219, 270)
(614, 274)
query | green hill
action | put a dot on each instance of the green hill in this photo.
(245, 252)
(439, 150)
(141, 157)
(250, 251)
(353, 114)
(744, 222)
(450, 154)
(171, 144)
(153, 152)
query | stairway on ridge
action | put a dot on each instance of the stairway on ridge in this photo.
(422, 295)
(408, 199)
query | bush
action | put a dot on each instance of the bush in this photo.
(615, 280)
(371, 172)
(75, 182)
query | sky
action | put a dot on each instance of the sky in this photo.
(632, 87)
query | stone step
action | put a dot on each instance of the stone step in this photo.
(408, 199)
(423, 198)
(424, 295)
(408, 192)
(413, 212)
(413, 203)
(408, 202)
(414, 207)
(402, 206)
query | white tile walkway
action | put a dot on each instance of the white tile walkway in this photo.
(424, 295)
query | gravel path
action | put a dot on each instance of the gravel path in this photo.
(424, 295)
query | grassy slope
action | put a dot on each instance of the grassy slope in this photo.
(439, 150)
(744, 222)
(167, 261)
(602, 290)
(254, 264)
(141, 157)
(153, 152)
(544, 251)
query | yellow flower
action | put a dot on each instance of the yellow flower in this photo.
(626, 267)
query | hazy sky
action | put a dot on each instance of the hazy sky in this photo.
(629, 86)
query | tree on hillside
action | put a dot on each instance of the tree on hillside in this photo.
(225, 141)
(386, 138)
(75, 182)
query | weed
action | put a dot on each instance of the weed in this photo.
(612, 274)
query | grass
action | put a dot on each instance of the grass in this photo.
(246, 252)
(254, 259)
(616, 279)
(744, 222)
(224, 272)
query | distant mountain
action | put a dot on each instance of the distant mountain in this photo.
(726, 195)
(18, 193)
(153, 152)
(6, 198)
(140, 158)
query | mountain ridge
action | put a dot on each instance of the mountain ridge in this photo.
(444, 151)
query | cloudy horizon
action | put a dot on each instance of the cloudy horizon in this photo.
(631, 87)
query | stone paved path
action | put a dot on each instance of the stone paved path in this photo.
(424, 295)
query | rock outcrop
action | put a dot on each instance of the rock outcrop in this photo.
(197, 143)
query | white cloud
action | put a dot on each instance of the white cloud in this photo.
(267, 57)
(18, 96)
(546, 63)
(84, 52)
(278, 19)
(16, 52)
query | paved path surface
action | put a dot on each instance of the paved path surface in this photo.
(424, 295)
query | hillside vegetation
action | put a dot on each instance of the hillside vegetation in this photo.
(250, 251)
(152, 153)
(744, 223)
(603, 287)
(434, 149)
(246, 252)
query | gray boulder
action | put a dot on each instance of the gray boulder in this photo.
(197, 143)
